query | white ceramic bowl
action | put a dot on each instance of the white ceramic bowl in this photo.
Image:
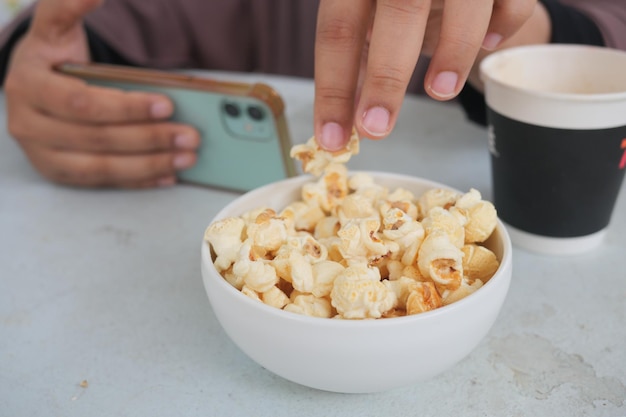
(354, 356)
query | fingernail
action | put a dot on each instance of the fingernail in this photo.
(185, 141)
(332, 137)
(161, 109)
(376, 121)
(184, 160)
(166, 181)
(491, 41)
(444, 84)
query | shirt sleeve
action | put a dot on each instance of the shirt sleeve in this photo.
(569, 25)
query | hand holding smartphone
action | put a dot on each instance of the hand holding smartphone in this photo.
(245, 140)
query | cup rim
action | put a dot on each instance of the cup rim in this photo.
(592, 97)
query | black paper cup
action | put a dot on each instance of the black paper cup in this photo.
(557, 138)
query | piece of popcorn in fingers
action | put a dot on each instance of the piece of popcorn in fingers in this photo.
(478, 263)
(315, 159)
(225, 238)
(441, 261)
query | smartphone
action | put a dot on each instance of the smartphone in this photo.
(245, 140)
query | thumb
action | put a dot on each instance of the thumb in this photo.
(53, 19)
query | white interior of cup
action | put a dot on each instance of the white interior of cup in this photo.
(559, 86)
(560, 69)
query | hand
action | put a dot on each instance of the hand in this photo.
(366, 52)
(77, 134)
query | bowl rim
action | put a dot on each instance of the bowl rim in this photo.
(500, 274)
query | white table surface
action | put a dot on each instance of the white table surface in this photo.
(105, 287)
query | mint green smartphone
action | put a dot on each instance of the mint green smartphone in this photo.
(245, 140)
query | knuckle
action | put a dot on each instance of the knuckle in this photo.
(80, 104)
(98, 140)
(388, 79)
(459, 43)
(333, 94)
(405, 8)
(135, 107)
(338, 33)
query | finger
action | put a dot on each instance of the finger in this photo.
(463, 29)
(394, 48)
(33, 127)
(508, 16)
(53, 19)
(108, 170)
(341, 30)
(73, 99)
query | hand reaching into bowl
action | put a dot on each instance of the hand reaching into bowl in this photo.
(366, 52)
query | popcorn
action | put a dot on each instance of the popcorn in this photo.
(461, 292)
(401, 228)
(268, 231)
(360, 241)
(310, 305)
(324, 275)
(441, 219)
(301, 216)
(436, 197)
(353, 249)
(256, 273)
(274, 297)
(225, 239)
(481, 216)
(358, 293)
(423, 297)
(329, 191)
(479, 263)
(315, 160)
(440, 260)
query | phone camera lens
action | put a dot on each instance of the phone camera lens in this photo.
(232, 109)
(256, 113)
